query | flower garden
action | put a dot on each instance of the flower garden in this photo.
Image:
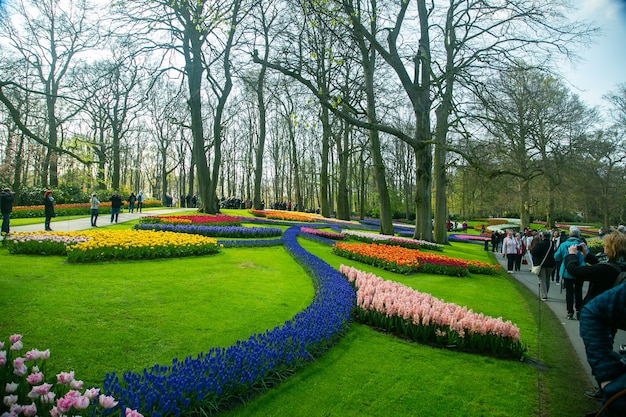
(403, 260)
(217, 378)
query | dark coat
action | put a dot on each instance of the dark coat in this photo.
(601, 276)
(6, 202)
(598, 320)
(48, 203)
(539, 252)
(116, 201)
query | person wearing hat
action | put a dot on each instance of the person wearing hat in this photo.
(6, 204)
(48, 203)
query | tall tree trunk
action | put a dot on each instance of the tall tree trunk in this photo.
(423, 148)
(343, 152)
(326, 133)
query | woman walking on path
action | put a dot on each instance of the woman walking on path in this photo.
(543, 254)
(48, 203)
(95, 203)
(509, 250)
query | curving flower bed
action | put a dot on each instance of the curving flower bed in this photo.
(392, 240)
(424, 318)
(323, 233)
(101, 245)
(403, 260)
(204, 220)
(215, 379)
(214, 231)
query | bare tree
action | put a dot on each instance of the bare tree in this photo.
(48, 39)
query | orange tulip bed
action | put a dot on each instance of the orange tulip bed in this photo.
(404, 261)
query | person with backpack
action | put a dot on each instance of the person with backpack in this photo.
(599, 320)
(602, 276)
(573, 287)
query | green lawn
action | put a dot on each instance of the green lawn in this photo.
(118, 316)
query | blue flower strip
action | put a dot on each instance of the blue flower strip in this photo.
(213, 231)
(213, 380)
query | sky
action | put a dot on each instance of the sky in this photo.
(603, 64)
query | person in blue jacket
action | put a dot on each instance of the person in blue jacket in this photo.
(599, 320)
(573, 287)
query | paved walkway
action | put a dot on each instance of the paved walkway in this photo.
(556, 303)
(103, 220)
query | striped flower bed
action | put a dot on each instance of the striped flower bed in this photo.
(392, 240)
(403, 260)
(205, 220)
(214, 231)
(323, 233)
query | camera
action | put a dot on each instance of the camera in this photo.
(580, 247)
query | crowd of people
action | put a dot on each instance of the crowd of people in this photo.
(566, 259)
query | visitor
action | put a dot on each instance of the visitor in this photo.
(140, 201)
(543, 254)
(556, 242)
(48, 203)
(521, 251)
(573, 288)
(116, 206)
(6, 207)
(509, 250)
(599, 319)
(600, 275)
(95, 203)
(131, 202)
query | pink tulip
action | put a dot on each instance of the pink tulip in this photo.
(17, 346)
(15, 338)
(11, 387)
(76, 384)
(107, 401)
(132, 413)
(65, 378)
(48, 398)
(1, 344)
(29, 410)
(35, 378)
(9, 400)
(81, 403)
(92, 393)
(3, 357)
(64, 404)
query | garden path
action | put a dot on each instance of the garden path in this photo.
(556, 303)
(103, 220)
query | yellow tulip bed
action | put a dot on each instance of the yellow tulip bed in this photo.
(101, 245)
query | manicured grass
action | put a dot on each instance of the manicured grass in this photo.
(367, 374)
(98, 318)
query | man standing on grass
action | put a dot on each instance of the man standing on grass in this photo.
(6, 203)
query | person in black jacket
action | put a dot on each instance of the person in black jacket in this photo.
(599, 319)
(6, 206)
(48, 203)
(116, 206)
(601, 275)
(542, 252)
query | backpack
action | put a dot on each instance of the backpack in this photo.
(621, 277)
